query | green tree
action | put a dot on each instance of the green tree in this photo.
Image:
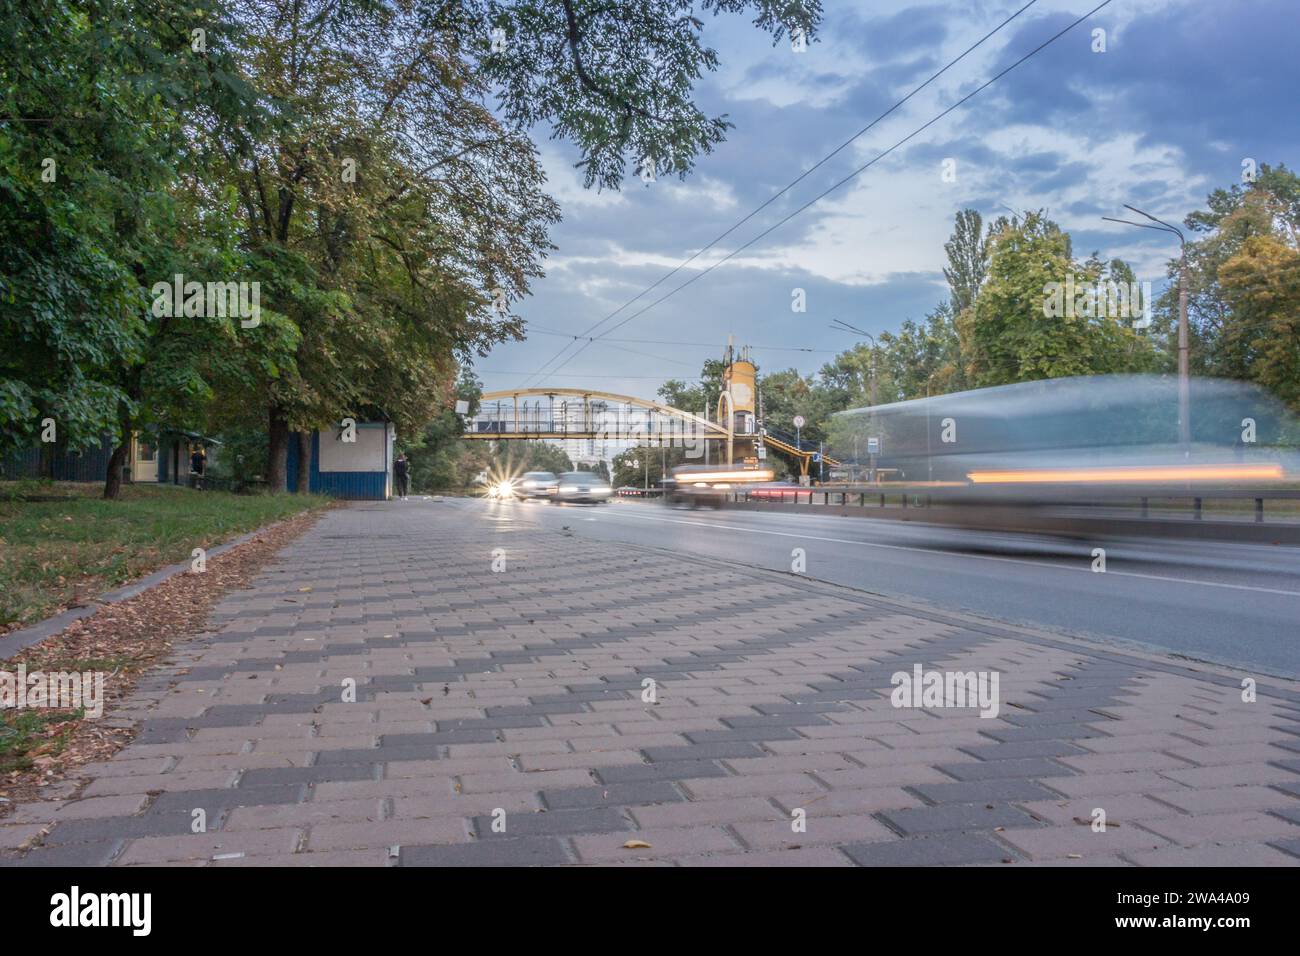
(517, 457)
(613, 76)
(78, 173)
(1268, 207)
(1013, 333)
(105, 188)
(1260, 341)
(968, 260)
(440, 460)
(924, 359)
(700, 398)
(395, 215)
(642, 463)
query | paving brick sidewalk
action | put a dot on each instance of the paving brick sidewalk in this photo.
(515, 698)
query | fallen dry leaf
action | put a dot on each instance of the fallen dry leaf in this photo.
(636, 845)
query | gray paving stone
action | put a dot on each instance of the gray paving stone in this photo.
(1002, 769)
(702, 752)
(374, 755)
(490, 723)
(98, 853)
(1044, 732)
(752, 734)
(668, 770)
(991, 791)
(1287, 846)
(619, 794)
(478, 735)
(227, 799)
(576, 707)
(946, 850)
(1290, 814)
(362, 756)
(554, 823)
(1024, 748)
(777, 720)
(328, 773)
(524, 851)
(955, 816)
(107, 829)
(791, 708)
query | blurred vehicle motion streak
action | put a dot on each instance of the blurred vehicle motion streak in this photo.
(1072, 440)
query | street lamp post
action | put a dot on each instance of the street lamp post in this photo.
(841, 326)
(1184, 380)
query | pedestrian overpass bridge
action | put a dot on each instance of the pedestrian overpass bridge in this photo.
(565, 413)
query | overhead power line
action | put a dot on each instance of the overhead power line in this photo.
(794, 182)
(703, 345)
(865, 166)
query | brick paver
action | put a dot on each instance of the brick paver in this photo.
(381, 697)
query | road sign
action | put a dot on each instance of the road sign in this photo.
(762, 452)
(798, 421)
(873, 446)
(816, 457)
(462, 407)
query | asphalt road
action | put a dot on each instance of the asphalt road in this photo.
(1233, 604)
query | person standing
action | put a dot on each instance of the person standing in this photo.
(402, 471)
(198, 461)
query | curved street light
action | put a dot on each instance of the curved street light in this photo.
(1184, 386)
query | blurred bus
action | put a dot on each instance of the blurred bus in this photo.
(1113, 431)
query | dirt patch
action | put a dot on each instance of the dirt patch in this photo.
(44, 748)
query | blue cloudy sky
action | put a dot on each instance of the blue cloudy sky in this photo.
(1186, 90)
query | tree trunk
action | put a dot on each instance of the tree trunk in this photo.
(113, 480)
(117, 460)
(304, 462)
(45, 468)
(277, 452)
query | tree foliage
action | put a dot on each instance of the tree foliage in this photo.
(1009, 335)
(615, 78)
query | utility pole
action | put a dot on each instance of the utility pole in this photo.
(1184, 377)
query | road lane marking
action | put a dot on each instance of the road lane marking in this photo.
(975, 557)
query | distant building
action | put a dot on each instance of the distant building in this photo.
(361, 468)
(159, 455)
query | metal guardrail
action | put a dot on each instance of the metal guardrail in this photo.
(1186, 516)
(881, 497)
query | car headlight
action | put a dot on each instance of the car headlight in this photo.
(504, 489)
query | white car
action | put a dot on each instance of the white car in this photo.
(538, 484)
(582, 486)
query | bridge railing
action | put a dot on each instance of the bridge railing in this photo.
(609, 423)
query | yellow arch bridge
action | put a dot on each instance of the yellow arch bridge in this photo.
(562, 413)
